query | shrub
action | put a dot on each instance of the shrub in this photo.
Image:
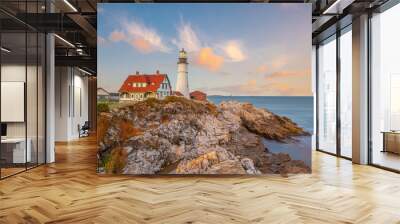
(103, 107)
(151, 102)
(115, 161)
(103, 123)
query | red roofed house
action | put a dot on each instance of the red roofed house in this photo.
(142, 86)
(198, 95)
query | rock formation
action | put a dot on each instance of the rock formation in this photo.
(182, 136)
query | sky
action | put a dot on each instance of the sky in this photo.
(233, 49)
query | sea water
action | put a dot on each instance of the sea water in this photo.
(298, 108)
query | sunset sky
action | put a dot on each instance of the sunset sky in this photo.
(234, 49)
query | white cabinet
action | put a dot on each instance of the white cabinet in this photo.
(19, 155)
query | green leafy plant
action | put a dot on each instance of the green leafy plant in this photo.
(103, 107)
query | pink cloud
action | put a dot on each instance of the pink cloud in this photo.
(283, 83)
(279, 62)
(117, 36)
(290, 82)
(142, 45)
(262, 69)
(288, 75)
(208, 59)
(147, 36)
(143, 38)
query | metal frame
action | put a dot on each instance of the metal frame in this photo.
(338, 152)
(338, 95)
(317, 100)
(44, 71)
(369, 98)
(389, 4)
(380, 9)
(317, 97)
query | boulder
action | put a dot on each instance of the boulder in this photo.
(182, 136)
(262, 121)
(248, 165)
(219, 161)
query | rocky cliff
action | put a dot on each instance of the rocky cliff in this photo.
(181, 136)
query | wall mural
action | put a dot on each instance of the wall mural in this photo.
(204, 89)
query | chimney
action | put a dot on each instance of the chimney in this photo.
(137, 72)
(158, 72)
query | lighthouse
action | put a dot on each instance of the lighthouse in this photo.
(182, 83)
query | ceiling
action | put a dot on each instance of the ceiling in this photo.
(76, 22)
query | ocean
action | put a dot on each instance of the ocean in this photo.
(298, 108)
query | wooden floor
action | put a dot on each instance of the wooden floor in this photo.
(69, 191)
(5, 172)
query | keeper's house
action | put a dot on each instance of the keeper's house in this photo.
(142, 86)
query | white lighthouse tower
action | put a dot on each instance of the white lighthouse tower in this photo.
(182, 83)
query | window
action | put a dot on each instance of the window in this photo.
(22, 67)
(327, 95)
(346, 93)
(385, 89)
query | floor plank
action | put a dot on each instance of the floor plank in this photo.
(69, 191)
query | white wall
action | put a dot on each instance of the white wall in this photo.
(71, 103)
(33, 127)
(62, 82)
(16, 73)
(80, 109)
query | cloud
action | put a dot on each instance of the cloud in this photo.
(208, 59)
(258, 71)
(297, 83)
(233, 51)
(100, 9)
(116, 36)
(249, 88)
(224, 73)
(142, 45)
(279, 62)
(209, 56)
(286, 74)
(283, 83)
(290, 83)
(262, 69)
(144, 38)
(101, 40)
(187, 38)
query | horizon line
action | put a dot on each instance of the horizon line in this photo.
(262, 96)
